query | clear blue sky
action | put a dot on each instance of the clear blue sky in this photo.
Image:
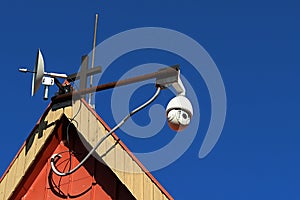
(255, 46)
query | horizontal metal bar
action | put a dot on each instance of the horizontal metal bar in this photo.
(166, 72)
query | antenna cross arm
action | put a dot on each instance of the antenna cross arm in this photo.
(76, 76)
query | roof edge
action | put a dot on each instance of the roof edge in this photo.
(153, 179)
(24, 143)
(144, 169)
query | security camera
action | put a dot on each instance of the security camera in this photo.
(179, 110)
(179, 113)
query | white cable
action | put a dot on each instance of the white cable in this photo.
(52, 160)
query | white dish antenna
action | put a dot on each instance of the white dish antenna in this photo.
(40, 76)
(38, 73)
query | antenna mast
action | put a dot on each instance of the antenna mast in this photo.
(90, 97)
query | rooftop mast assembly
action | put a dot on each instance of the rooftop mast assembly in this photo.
(179, 110)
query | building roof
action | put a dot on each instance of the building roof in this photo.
(46, 139)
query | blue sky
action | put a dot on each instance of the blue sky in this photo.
(255, 46)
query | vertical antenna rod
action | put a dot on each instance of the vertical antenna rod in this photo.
(93, 60)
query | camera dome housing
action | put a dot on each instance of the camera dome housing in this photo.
(179, 112)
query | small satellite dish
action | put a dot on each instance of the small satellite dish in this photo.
(41, 77)
(38, 73)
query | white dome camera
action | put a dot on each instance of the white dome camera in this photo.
(179, 113)
(179, 110)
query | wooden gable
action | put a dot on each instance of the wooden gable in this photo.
(114, 173)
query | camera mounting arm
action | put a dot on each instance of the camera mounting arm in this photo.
(171, 78)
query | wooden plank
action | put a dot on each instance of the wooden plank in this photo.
(13, 170)
(20, 166)
(102, 149)
(148, 188)
(10, 183)
(109, 156)
(30, 154)
(93, 135)
(138, 182)
(76, 115)
(2, 188)
(46, 133)
(42, 135)
(165, 197)
(47, 121)
(83, 124)
(68, 111)
(120, 163)
(129, 173)
(102, 130)
(157, 194)
(56, 115)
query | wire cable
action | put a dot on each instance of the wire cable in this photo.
(70, 122)
(54, 156)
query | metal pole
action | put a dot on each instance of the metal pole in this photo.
(170, 71)
(93, 60)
